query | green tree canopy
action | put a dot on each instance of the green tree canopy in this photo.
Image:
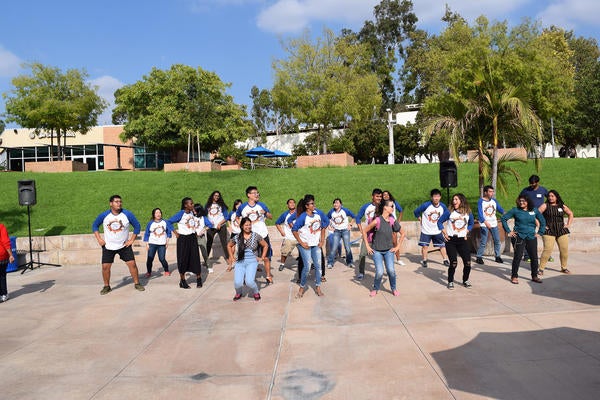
(167, 107)
(53, 100)
(485, 84)
(326, 83)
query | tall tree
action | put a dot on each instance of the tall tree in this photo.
(582, 125)
(53, 100)
(494, 83)
(386, 37)
(325, 84)
(265, 114)
(168, 107)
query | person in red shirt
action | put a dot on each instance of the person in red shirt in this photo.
(6, 256)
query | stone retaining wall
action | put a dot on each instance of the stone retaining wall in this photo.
(83, 249)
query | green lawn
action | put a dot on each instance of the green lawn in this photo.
(67, 203)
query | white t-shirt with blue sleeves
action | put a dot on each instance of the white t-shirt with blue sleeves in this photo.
(430, 215)
(487, 211)
(339, 220)
(285, 220)
(309, 227)
(158, 232)
(257, 215)
(116, 227)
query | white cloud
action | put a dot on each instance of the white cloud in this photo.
(10, 64)
(293, 15)
(107, 85)
(570, 14)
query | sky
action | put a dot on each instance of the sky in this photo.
(119, 41)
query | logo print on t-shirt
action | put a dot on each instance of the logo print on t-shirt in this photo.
(159, 231)
(489, 211)
(214, 210)
(338, 220)
(115, 226)
(190, 222)
(458, 224)
(315, 226)
(434, 216)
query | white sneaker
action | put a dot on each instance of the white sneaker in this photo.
(329, 266)
(210, 270)
(400, 262)
(3, 298)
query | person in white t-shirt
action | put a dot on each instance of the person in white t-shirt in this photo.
(157, 232)
(428, 214)
(285, 229)
(487, 207)
(117, 240)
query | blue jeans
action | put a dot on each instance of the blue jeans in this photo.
(344, 236)
(314, 253)
(484, 239)
(161, 249)
(379, 257)
(245, 271)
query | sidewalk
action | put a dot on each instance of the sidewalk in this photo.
(62, 340)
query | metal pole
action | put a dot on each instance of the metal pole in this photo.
(391, 137)
(552, 134)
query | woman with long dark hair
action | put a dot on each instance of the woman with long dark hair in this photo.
(524, 235)
(460, 222)
(157, 232)
(382, 244)
(216, 211)
(554, 210)
(188, 254)
(248, 244)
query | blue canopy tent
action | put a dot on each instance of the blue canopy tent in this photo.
(278, 153)
(258, 151)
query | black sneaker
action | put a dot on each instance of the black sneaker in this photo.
(281, 267)
(467, 284)
(199, 282)
(446, 263)
(424, 263)
(499, 260)
(183, 284)
(105, 290)
(139, 287)
(479, 260)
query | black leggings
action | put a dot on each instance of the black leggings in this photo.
(520, 245)
(458, 246)
(3, 287)
(210, 235)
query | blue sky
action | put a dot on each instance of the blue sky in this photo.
(119, 41)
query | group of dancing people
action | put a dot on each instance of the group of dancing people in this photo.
(309, 230)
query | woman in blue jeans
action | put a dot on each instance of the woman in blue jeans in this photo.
(340, 220)
(158, 231)
(382, 244)
(247, 243)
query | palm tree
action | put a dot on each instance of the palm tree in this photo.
(494, 112)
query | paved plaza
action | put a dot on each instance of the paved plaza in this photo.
(62, 340)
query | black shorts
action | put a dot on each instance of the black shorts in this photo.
(108, 256)
(269, 248)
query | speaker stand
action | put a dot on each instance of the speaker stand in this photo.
(32, 264)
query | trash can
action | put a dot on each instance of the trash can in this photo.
(13, 265)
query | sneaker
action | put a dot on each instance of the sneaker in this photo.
(396, 293)
(139, 287)
(329, 266)
(237, 296)
(451, 285)
(199, 282)
(551, 259)
(167, 273)
(105, 290)
(281, 267)
(183, 284)
(446, 263)
(351, 265)
(526, 259)
(479, 260)
(360, 276)
(256, 296)
(373, 293)
(499, 260)
(536, 279)
(3, 298)
(424, 263)
(400, 262)
(148, 274)
(210, 270)
(467, 284)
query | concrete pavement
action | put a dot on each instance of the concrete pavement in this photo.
(62, 340)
